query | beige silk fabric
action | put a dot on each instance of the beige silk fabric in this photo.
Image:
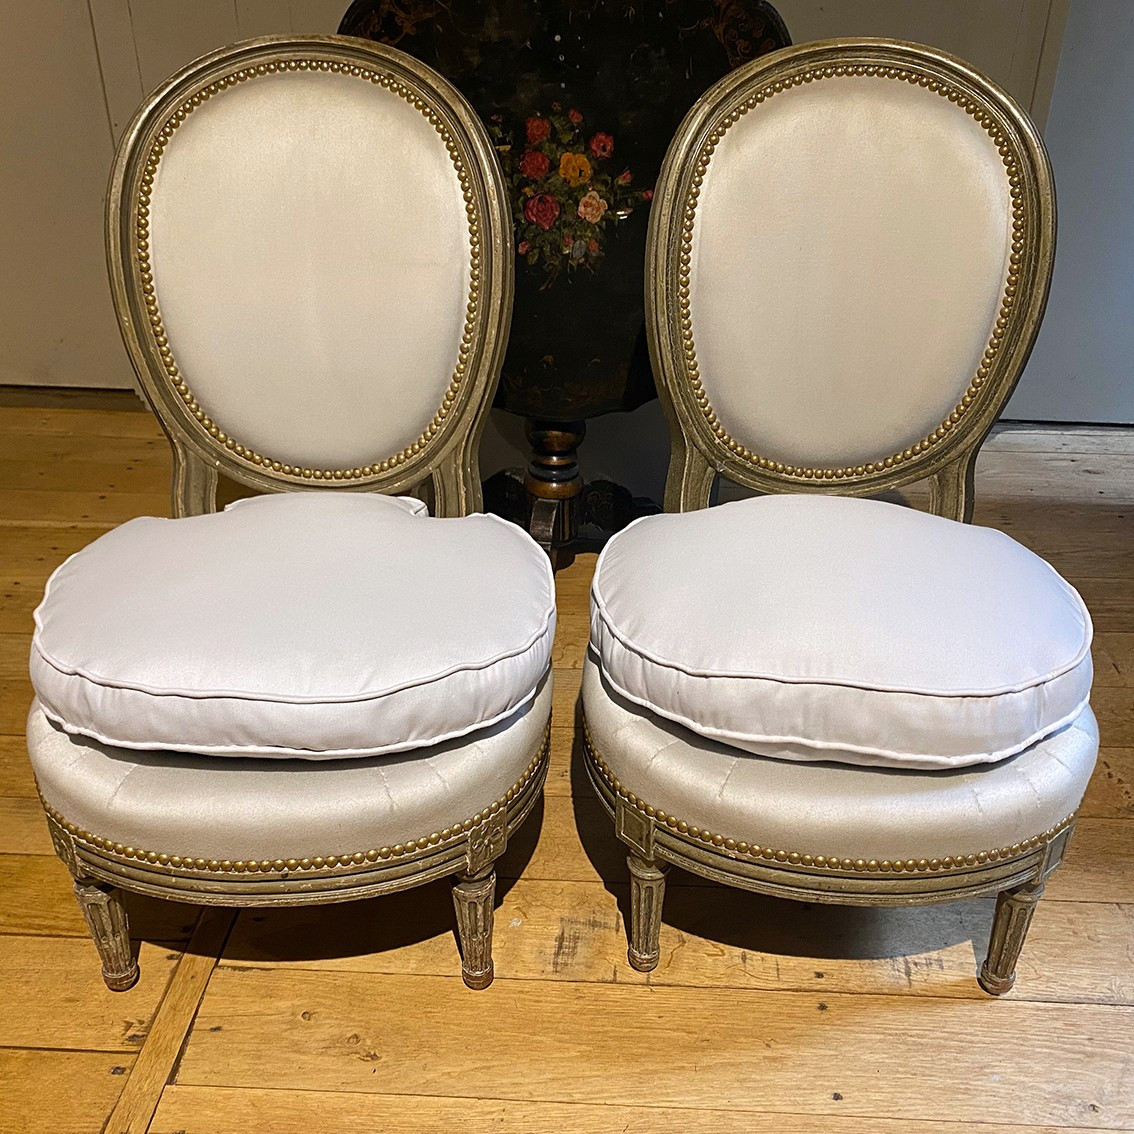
(311, 259)
(835, 809)
(849, 253)
(307, 624)
(834, 628)
(202, 807)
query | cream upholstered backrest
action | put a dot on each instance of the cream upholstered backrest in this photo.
(850, 251)
(310, 252)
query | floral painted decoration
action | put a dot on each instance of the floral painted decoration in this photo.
(566, 189)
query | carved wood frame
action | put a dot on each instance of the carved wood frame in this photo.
(701, 448)
(447, 451)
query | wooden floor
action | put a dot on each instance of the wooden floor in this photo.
(763, 1015)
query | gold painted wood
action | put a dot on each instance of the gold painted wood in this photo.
(815, 1054)
(211, 1110)
(135, 1106)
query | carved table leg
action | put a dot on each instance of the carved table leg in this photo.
(1014, 909)
(553, 483)
(473, 898)
(106, 919)
(647, 892)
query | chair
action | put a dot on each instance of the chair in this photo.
(808, 694)
(317, 695)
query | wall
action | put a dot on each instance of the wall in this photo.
(1082, 368)
(72, 72)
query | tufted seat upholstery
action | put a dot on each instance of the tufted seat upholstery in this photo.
(256, 810)
(834, 810)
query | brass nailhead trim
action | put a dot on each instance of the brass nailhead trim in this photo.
(799, 858)
(1020, 223)
(146, 280)
(322, 864)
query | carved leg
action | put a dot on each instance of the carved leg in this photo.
(647, 892)
(106, 919)
(1014, 909)
(473, 897)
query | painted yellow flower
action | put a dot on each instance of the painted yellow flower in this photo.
(574, 169)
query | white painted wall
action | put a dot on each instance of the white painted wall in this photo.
(72, 72)
(1082, 368)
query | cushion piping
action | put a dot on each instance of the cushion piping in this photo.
(924, 758)
(273, 752)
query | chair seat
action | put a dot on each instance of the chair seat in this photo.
(217, 810)
(837, 810)
(314, 625)
(832, 628)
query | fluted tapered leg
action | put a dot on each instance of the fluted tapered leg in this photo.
(1014, 909)
(106, 919)
(647, 892)
(473, 898)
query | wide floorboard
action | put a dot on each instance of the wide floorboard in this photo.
(762, 1015)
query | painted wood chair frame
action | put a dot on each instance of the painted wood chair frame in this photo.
(445, 454)
(702, 450)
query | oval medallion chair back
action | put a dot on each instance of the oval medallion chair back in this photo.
(852, 244)
(803, 693)
(309, 247)
(295, 700)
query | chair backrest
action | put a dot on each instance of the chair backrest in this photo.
(850, 250)
(310, 253)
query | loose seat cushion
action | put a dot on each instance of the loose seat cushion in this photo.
(838, 810)
(830, 628)
(201, 807)
(308, 624)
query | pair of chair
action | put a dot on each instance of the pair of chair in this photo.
(319, 696)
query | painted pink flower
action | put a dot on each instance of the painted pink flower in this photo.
(522, 247)
(592, 207)
(535, 164)
(623, 178)
(542, 209)
(647, 194)
(539, 130)
(575, 116)
(602, 145)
